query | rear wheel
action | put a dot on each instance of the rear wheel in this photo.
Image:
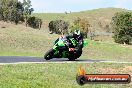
(78, 53)
(72, 57)
(49, 54)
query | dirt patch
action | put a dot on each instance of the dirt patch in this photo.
(124, 70)
(128, 69)
(3, 24)
(107, 70)
(125, 46)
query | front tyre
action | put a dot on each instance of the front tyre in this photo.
(49, 54)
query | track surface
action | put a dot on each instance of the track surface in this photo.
(19, 59)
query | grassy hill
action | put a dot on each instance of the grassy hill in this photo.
(20, 40)
(98, 18)
(106, 13)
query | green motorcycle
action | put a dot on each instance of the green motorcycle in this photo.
(60, 50)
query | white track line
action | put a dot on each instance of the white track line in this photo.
(63, 62)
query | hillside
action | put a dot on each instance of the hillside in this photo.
(18, 40)
(23, 41)
(98, 18)
(106, 13)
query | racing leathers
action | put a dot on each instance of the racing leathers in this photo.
(77, 38)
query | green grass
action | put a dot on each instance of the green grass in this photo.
(21, 53)
(51, 75)
(107, 51)
(22, 41)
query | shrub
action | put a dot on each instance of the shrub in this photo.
(58, 27)
(34, 22)
(122, 27)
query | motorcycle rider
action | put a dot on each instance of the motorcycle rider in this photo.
(77, 36)
(72, 43)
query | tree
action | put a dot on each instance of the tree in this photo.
(27, 9)
(122, 27)
(11, 10)
(16, 11)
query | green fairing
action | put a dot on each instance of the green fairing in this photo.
(54, 47)
(56, 52)
(61, 43)
(64, 54)
(73, 42)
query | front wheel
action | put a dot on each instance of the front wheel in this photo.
(49, 54)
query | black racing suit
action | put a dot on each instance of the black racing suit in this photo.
(78, 38)
(79, 46)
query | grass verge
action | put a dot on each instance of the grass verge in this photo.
(51, 75)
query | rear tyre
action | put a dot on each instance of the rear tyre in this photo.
(72, 57)
(78, 53)
(49, 54)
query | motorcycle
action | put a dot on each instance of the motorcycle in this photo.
(61, 50)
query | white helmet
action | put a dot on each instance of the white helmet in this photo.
(77, 32)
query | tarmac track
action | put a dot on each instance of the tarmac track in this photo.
(15, 59)
(20, 59)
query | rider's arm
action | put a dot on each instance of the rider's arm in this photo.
(80, 44)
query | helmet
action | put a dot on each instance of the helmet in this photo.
(76, 32)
